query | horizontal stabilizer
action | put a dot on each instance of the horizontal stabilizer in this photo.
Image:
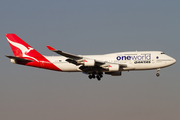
(19, 59)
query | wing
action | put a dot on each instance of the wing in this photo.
(89, 65)
(68, 55)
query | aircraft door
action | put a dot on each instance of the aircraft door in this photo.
(153, 60)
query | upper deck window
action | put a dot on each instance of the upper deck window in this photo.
(162, 53)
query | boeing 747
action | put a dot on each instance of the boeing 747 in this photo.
(93, 65)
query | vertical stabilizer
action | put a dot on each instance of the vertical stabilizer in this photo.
(26, 55)
(21, 48)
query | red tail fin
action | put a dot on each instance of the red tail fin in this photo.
(21, 48)
(26, 55)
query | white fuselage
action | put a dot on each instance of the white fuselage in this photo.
(138, 60)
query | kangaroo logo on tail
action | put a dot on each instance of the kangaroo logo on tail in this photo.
(23, 49)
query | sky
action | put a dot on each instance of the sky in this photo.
(90, 27)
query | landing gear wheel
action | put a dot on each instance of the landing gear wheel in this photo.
(90, 76)
(157, 74)
(98, 77)
(93, 76)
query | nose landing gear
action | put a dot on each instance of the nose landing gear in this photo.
(158, 74)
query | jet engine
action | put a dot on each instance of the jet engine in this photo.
(111, 67)
(114, 67)
(89, 62)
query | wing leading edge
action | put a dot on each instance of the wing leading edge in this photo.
(65, 54)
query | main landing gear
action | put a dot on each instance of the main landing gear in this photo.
(98, 76)
(157, 74)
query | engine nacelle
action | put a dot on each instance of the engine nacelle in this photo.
(89, 62)
(118, 73)
(113, 67)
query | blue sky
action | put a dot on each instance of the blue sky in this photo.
(90, 27)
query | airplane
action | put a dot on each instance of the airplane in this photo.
(94, 65)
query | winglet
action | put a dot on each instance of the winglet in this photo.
(50, 48)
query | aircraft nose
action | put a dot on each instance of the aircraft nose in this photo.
(174, 60)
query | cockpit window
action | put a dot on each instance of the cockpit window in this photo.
(162, 53)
